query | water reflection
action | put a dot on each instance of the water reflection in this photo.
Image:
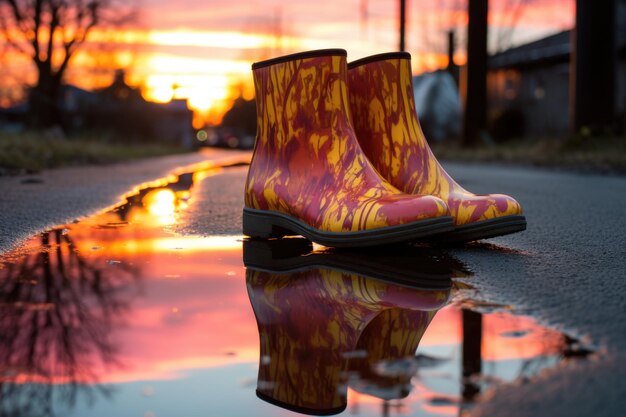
(329, 320)
(61, 298)
(334, 324)
(57, 311)
(115, 315)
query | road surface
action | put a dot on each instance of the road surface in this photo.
(567, 270)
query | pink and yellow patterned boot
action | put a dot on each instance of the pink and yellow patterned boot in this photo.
(308, 174)
(317, 314)
(386, 124)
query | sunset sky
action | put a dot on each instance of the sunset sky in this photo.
(202, 50)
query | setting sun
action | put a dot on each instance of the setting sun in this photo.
(207, 84)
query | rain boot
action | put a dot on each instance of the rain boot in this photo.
(310, 317)
(386, 125)
(390, 340)
(308, 175)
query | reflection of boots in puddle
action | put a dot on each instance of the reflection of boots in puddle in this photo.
(390, 340)
(311, 311)
(416, 267)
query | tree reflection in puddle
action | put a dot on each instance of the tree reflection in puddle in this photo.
(115, 315)
(57, 312)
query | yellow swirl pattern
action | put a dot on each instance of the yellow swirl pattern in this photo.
(313, 324)
(307, 161)
(386, 125)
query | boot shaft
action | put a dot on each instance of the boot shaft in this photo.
(307, 162)
(386, 124)
(385, 121)
(301, 94)
(305, 140)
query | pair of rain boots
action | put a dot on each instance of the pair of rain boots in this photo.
(329, 320)
(340, 159)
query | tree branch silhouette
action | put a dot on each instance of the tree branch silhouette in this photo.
(57, 312)
(50, 32)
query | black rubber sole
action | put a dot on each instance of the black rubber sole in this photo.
(406, 266)
(264, 224)
(301, 410)
(485, 229)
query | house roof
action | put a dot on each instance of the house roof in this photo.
(552, 49)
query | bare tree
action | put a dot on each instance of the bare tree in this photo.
(50, 32)
(452, 16)
(444, 16)
(511, 12)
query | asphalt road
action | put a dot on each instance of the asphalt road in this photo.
(30, 204)
(567, 270)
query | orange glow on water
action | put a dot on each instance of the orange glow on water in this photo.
(446, 329)
(160, 203)
(193, 284)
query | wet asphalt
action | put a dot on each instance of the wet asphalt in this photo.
(30, 204)
(568, 269)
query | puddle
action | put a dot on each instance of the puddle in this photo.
(115, 315)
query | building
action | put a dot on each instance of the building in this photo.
(529, 86)
(118, 110)
(121, 109)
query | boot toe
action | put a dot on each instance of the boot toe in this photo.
(505, 205)
(483, 216)
(475, 208)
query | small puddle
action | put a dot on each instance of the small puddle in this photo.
(115, 315)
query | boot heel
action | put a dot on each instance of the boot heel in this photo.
(261, 227)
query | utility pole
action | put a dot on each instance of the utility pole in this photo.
(402, 24)
(475, 117)
(472, 352)
(452, 68)
(592, 84)
(451, 43)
